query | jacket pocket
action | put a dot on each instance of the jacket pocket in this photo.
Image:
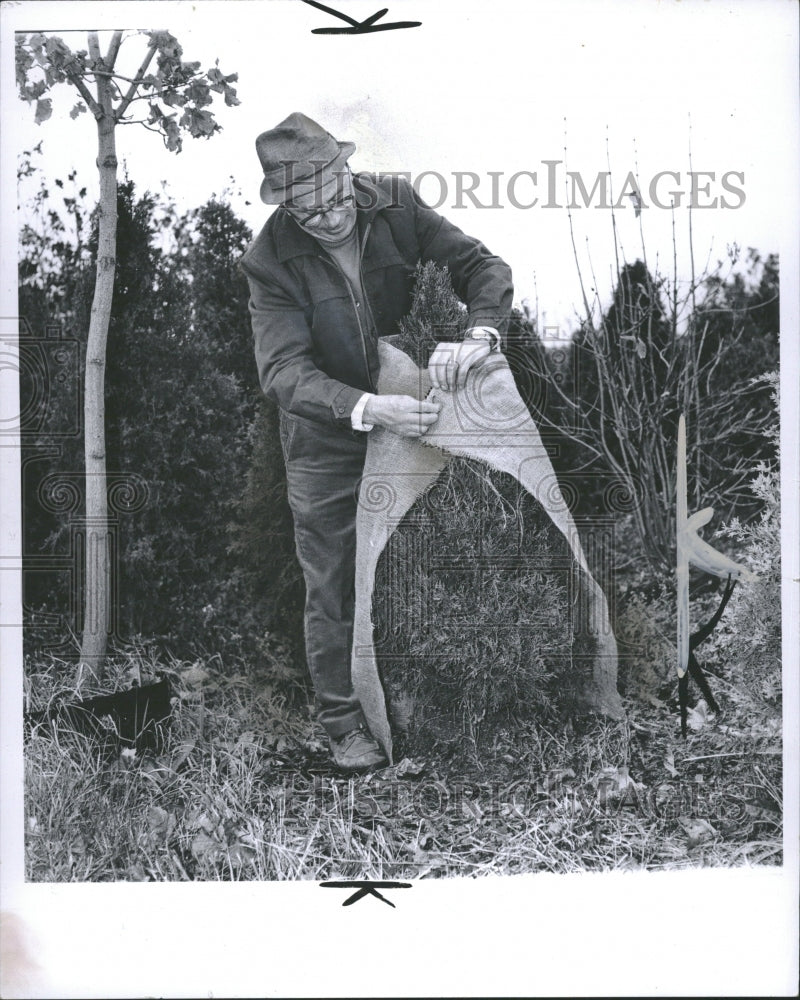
(340, 334)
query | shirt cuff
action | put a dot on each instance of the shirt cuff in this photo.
(358, 413)
(484, 333)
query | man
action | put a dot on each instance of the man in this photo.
(331, 271)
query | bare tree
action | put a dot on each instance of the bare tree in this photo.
(656, 353)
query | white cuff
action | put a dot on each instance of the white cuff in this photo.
(484, 333)
(358, 413)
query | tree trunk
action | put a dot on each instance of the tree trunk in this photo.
(97, 580)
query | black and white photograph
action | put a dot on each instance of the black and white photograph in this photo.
(400, 498)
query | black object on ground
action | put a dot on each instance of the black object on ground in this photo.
(133, 719)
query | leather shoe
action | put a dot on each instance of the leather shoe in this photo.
(357, 750)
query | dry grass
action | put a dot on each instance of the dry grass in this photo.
(244, 790)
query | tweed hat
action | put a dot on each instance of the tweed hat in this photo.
(294, 153)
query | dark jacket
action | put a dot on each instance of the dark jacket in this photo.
(316, 346)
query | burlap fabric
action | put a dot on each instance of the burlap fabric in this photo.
(486, 420)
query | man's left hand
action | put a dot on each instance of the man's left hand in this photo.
(450, 363)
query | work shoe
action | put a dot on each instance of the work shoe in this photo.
(357, 751)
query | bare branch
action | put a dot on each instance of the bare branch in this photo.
(113, 50)
(94, 48)
(151, 51)
(85, 93)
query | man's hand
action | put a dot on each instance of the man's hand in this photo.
(450, 363)
(402, 415)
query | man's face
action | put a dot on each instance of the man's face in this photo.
(328, 210)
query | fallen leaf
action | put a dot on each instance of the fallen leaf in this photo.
(205, 848)
(698, 831)
(161, 822)
(78, 844)
(192, 815)
(408, 768)
(240, 854)
(205, 823)
(157, 817)
(195, 676)
(669, 764)
(616, 782)
(435, 862)
(697, 717)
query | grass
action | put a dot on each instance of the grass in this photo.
(500, 779)
(244, 790)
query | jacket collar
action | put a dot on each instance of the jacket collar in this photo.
(291, 240)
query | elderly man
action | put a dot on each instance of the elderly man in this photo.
(331, 272)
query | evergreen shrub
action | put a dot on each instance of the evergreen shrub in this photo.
(472, 605)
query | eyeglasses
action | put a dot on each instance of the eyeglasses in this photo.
(311, 220)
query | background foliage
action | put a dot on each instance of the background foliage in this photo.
(210, 595)
(207, 564)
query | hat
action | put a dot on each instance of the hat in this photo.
(295, 151)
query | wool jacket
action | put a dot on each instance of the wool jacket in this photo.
(315, 341)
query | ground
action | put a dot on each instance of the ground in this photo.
(243, 789)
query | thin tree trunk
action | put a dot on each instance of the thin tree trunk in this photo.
(97, 580)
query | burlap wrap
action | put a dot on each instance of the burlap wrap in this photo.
(487, 420)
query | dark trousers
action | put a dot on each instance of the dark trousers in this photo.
(323, 469)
